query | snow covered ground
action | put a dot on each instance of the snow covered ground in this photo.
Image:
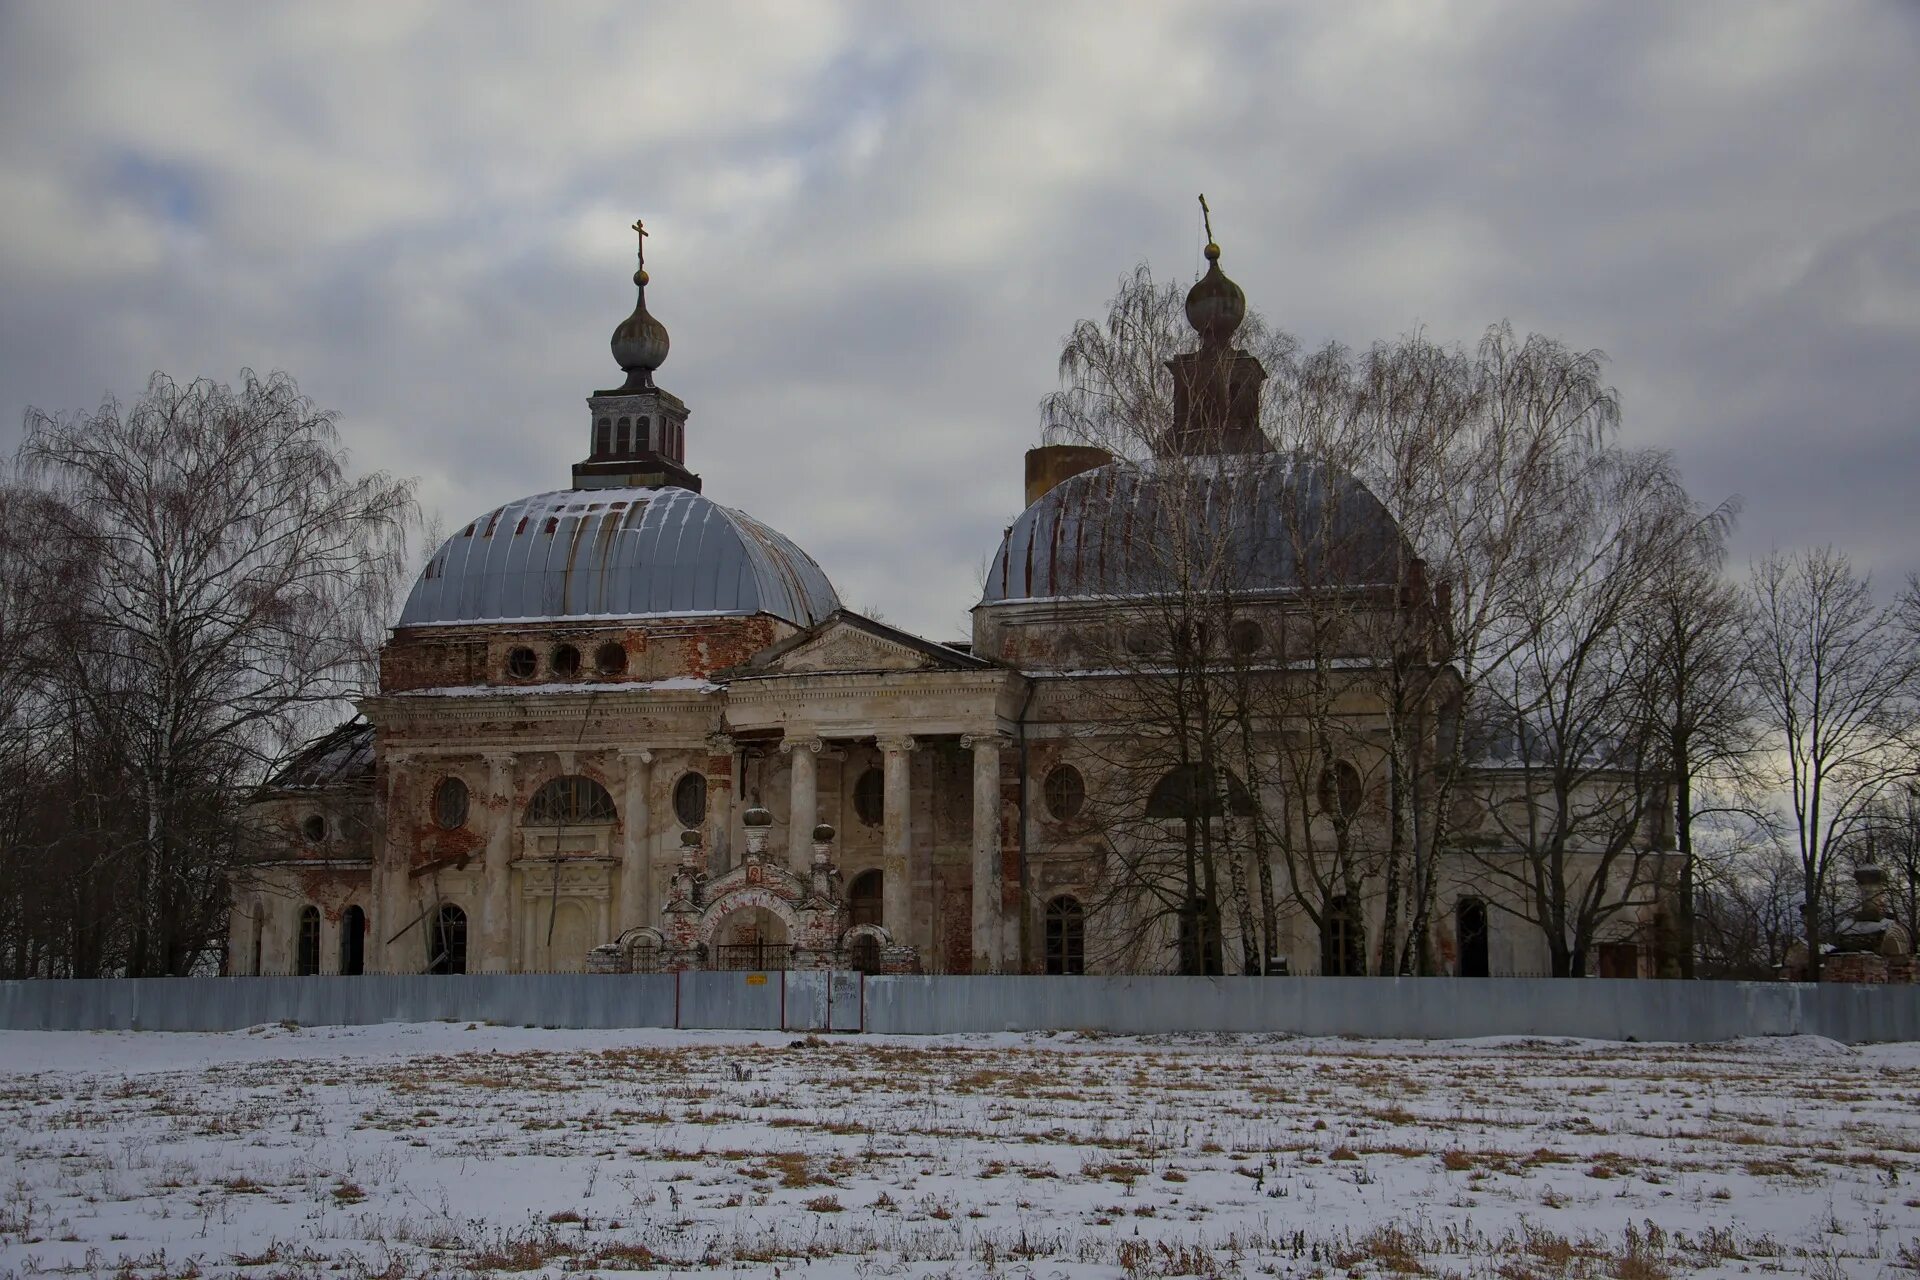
(449, 1149)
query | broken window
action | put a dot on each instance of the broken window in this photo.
(1066, 936)
(569, 799)
(308, 960)
(521, 663)
(447, 941)
(566, 661)
(450, 804)
(353, 942)
(314, 828)
(610, 659)
(690, 799)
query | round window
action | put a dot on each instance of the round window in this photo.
(521, 663)
(690, 799)
(1066, 792)
(1245, 637)
(450, 804)
(610, 659)
(870, 798)
(314, 828)
(566, 661)
(1340, 789)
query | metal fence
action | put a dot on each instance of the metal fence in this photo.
(816, 1000)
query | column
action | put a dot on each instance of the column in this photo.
(803, 811)
(636, 879)
(986, 851)
(896, 902)
(496, 950)
(719, 804)
(392, 909)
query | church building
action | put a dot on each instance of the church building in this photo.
(621, 726)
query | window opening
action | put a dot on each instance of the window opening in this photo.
(521, 663)
(1192, 791)
(610, 659)
(1066, 793)
(566, 661)
(569, 799)
(1470, 932)
(602, 436)
(1066, 936)
(309, 957)
(690, 799)
(864, 898)
(314, 828)
(1340, 789)
(1245, 637)
(450, 800)
(624, 437)
(447, 942)
(870, 798)
(353, 942)
(1340, 946)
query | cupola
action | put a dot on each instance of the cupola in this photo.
(1216, 390)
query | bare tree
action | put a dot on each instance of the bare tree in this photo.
(1836, 677)
(236, 587)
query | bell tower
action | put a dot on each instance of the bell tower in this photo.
(638, 437)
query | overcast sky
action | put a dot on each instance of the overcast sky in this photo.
(872, 227)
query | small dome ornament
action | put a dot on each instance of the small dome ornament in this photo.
(1216, 306)
(640, 341)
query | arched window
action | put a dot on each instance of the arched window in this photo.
(447, 941)
(1342, 947)
(567, 800)
(314, 828)
(642, 434)
(1066, 936)
(1470, 936)
(864, 897)
(353, 942)
(865, 954)
(1066, 793)
(624, 437)
(1191, 791)
(307, 963)
(690, 799)
(450, 804)
(602, 436)
(1340, 792)
(870, 798)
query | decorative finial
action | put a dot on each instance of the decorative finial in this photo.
(640, 230)
(1215, 305)
(640, 341)
(1206, 219)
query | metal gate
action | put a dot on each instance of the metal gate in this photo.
(767, 957)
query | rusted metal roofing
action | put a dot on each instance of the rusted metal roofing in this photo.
(340, 757)
(617, 553)
(1253, 522)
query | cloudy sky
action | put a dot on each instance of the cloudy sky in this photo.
(873, 225)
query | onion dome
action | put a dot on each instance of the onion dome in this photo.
(617, 553)
(1215, 304)
(640, 341)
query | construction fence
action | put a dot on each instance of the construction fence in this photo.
(818, 1000)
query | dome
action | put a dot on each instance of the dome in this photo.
(1103, 532)
(1216, 306)
(617, 553)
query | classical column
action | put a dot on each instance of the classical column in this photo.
(392, 907)
(636, 881)
(803, 811)
(986, 851)
(896, 883)
(719, 804)
(496, 951)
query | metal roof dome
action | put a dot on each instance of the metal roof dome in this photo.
(617, 553)
(1287, 520)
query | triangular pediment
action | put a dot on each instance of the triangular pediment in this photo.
(850, 642)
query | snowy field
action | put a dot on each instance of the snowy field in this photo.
(448, 1150)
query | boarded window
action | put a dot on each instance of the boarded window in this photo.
(1066, 936)
(569, 799)
(308, 959)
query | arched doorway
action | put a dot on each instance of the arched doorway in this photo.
(752, 938)
(353, 942)
(1470, 932)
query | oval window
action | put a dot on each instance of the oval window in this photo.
(690, 799)
(520, 663)
(314, 828)
(610, 659)
(870, 798)
(1340, 789)
(566, 661)
(450, 804)
(1066, 792)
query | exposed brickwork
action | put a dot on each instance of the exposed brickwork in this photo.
(433, 657)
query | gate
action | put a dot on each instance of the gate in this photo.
(767, 957)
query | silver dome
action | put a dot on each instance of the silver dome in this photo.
(617, 553)
(1286, 521)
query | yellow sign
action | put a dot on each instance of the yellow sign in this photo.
(756, 979)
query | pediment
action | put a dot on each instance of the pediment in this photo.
(849, 642)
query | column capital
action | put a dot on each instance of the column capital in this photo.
(636, 755)
(720, 743)
(500, 759)
(803, 742)
(897, 744)
(975, 741)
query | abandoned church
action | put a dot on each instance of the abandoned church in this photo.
(620, 726)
